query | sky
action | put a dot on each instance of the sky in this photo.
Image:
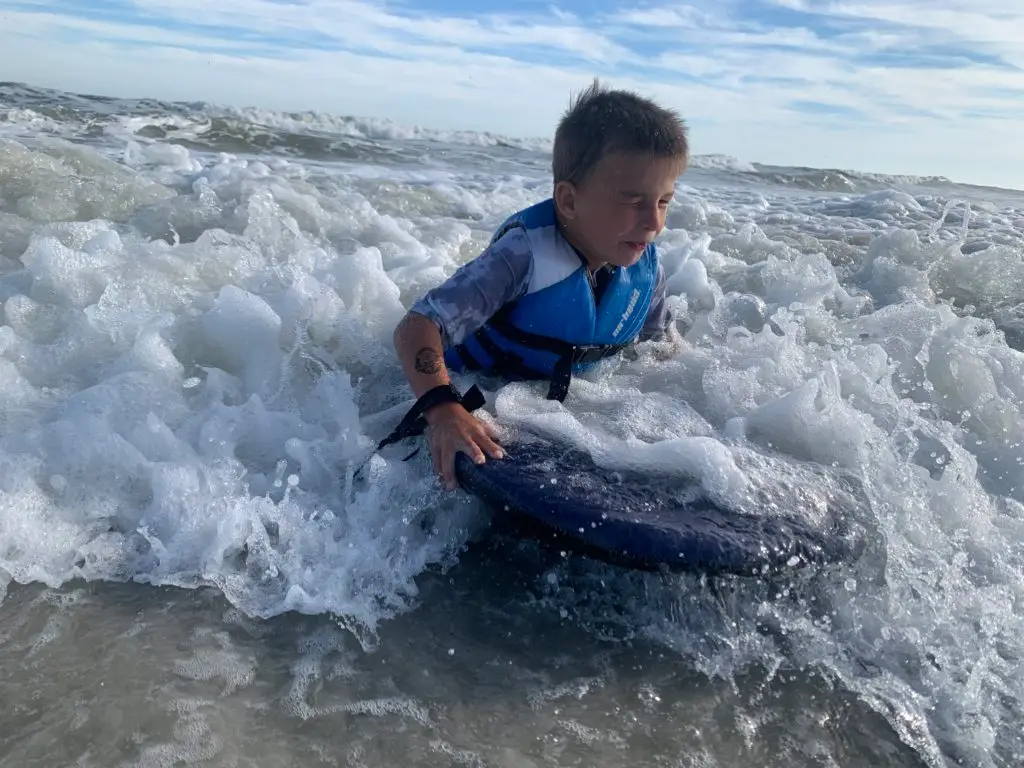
(927, 87)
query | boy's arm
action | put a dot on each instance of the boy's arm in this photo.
(445, 316)
(418, 344)
(658, 317)
(452, 427)
(450, 312)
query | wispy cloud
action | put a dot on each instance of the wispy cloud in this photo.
(916, 86)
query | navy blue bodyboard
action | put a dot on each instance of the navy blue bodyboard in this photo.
(648, 522)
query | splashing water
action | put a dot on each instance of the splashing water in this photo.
(195, 353)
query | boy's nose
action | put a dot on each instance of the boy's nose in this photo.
(651, 218)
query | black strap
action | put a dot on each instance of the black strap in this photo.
(561, 377)
(415, 423)
(602, 279)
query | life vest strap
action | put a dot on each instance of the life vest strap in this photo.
(511, 364)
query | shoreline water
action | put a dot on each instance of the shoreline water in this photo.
(503, 684)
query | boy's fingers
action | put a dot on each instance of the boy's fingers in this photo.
(448, 470)
(473, 450)
(493, 448)
(477, 440)
(435, 451)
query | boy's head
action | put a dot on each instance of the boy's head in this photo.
(616, 159)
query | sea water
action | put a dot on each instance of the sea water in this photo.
(196, 312)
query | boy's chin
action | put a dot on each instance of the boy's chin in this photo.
(626, 255)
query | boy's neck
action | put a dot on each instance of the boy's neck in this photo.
(566, 232)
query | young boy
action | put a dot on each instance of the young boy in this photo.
(564, 282)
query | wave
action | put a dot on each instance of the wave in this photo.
(840, 180)
(318, 135)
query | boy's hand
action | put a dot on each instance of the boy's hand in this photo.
(451, 428)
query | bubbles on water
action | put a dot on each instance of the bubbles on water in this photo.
(214, 658)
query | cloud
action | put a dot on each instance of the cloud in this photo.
(905, 86)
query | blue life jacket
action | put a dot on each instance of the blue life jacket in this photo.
(563, 324)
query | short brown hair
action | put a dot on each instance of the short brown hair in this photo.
(600, 121)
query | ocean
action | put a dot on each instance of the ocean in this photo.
(195, 354)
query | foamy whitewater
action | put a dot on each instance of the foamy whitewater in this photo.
(195, 355)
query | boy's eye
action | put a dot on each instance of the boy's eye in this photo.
(634, 199)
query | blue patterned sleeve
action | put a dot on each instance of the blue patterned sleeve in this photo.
(479, 288)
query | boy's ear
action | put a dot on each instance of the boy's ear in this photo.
(565, 199)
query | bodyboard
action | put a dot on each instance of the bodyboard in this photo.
(648, 522)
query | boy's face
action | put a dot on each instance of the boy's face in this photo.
(620, 207)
